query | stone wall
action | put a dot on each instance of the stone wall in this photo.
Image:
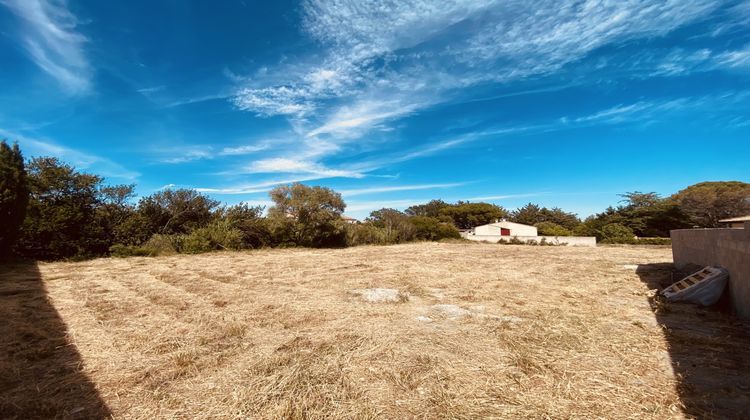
(728, 248)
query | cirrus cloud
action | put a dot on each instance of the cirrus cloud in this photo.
(48, 33)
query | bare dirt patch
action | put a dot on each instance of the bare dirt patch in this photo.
(486, 331)
(380, 295)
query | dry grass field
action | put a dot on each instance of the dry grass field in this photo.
(467, 331)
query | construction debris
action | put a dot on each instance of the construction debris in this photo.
(703, 287)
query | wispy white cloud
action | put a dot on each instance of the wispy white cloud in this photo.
(187, 154)
(253, 188)
(680, 61)
(293, 166)
(198, 99)
(243, 150)
(437, 146)
(364, 207)
(276, 100)
(48, 33)
(637, 112)
(233, 190)
(351, 121)
(385, 189)
(630, 112)
(81, 160)
(268, 185)
(545, 35)
(735, 59)
(466, 39)
(190, 153)
(659, 110)
(504, 197)
(150, 90)
(368, 77)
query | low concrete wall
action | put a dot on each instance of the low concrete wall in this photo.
(557, 240)
(728, 248)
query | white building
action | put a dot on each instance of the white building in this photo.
(349, 220)
(735, 222)
(504, 228)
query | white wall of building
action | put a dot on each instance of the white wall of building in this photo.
(516, 229)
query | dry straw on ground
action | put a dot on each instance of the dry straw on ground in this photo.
(476, 331)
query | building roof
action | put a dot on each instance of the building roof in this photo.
(736, 219)
(505, 223)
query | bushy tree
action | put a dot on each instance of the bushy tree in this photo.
(307, 216)
(593, 224)
(135, 229)
(616, 233)
(432, 229)
(532, 214)
(175, 211)
(113, 211)
(250, 221)
(708, 202)
(430, 209)
(14, 195)
(645, 214)
(394, 223)
(552, 229)
(649, 215)
(217, 235)
(60, 219)
(468, 215)
(365, 234)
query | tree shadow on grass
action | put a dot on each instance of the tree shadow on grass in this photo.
(40, 369)
(709, 349)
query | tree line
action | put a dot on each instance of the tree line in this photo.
(50, 210)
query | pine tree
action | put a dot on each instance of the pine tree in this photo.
(14, 195)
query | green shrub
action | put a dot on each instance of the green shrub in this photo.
(195, 243)
(307, 216)
(616, 233)
(432, 229)
(515, 241)
(552, 229)
(542, 242)
(122, 251)
(160, 244)
(365, 234)
(653, 241)
(459, 240)
(249, 220)
(396, 225)
(217, 235)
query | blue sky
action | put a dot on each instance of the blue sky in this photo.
(563, 103)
